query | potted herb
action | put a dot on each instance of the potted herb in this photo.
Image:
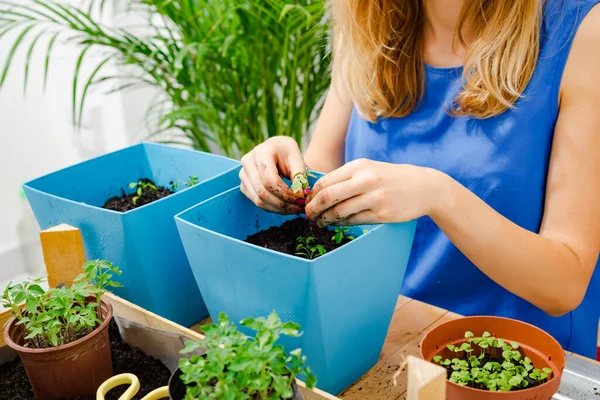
(327, 294)
(61, 334)
(493, 357)
(236, 366)
(145, 186)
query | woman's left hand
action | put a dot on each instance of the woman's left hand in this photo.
(371, 192)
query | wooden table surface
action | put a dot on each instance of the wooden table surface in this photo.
(411, 320)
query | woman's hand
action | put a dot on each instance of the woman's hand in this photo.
(370, 192)
(260, 175)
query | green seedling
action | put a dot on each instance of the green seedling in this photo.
(236, 366)
(300, 182)
(341, 233)
(60, 315)
(307, 248)
(189, 183)
(509, 372)
(141, 186)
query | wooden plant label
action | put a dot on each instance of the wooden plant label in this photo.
(426, 381)
(64, 255)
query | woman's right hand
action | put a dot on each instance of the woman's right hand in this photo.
(261, 173)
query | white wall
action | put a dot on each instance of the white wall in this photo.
(37, 136)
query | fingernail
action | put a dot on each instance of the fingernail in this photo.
(300, 202)
(307, 191)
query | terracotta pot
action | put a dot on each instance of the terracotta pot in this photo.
(67, 371)
(543, 350)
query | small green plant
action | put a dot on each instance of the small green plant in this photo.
(64, 314)
(300, 182)
(189, 183)
(307, 248)
(236, 366)
(340, 234)
(141, 186)
(499, 366)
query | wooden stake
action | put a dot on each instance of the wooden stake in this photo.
(426, 381)
(64, 255)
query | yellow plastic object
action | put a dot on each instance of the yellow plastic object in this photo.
(134, 386)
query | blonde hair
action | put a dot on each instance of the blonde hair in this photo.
(378, 54)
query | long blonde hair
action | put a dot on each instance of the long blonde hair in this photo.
(378, 54)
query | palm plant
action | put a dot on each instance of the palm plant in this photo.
(230, 73)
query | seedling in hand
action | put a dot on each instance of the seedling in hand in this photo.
(141, 186)
(300, 182)
(189, 183)
(61, 315)
(239, 367)
(307, 248)
(340, 234)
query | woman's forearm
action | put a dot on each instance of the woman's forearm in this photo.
(541, 270)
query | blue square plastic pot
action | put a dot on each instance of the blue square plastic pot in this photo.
(343, 300)
(143, 242)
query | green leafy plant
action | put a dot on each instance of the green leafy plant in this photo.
(193, 180)
(64, 314)
(236, 366)
(228, 73)
(340, 234)
(499, 366)
(308, 248)
(140, 186)
(300, 182)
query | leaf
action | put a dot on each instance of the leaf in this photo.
(12, 52)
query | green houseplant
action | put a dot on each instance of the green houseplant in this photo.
(230, 73)
(61, 334)
(238, 367)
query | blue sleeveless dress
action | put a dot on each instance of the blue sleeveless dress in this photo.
(503, 160)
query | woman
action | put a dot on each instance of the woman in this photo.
(481, 118)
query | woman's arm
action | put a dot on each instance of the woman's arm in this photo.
(551, 269)
(326, 149)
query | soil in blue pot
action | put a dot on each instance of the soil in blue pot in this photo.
(145, 191)
(301, 238)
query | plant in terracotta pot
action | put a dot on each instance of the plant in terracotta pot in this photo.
(492, 357)
(61, 334)
(236, 366)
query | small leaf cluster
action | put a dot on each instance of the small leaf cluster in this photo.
(308, 248)
(193, 180)
(340, 234)
(499, 366)
(140, 186)
(300, 182)
(60, 315)
(237, 367)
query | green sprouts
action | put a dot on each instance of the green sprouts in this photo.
(64, 314)
(340, 234)
(308, 248)
(300, 182)
(193, 180)
(491, 363)
(140, 186)
(239, 367)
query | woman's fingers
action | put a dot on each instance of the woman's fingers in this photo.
(268, 175)
(287, 209)
(342, 211)
(366, 217)
(334, 177)
(330, 197)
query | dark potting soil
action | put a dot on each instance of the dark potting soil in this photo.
(283, 238)
(152, 374)
(125, 201)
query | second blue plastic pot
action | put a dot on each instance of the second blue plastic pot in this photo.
(343, 300)
(143, 242)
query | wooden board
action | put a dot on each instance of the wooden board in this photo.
(64, 255)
